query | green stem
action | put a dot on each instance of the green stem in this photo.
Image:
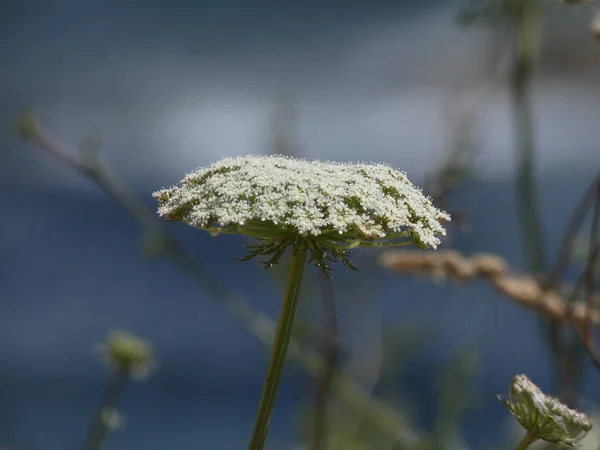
(280, 348)
(528, 23)
(529, 31)
(527, 440)
(100, 427)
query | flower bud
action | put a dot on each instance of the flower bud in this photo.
(112, 418)
(126, 352)
(25, 125)
(545, 417)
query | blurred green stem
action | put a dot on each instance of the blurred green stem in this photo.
(331, 353)
(280, 347)
(527, 440)
(100, 426)
(528, 23)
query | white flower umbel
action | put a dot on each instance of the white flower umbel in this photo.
(333, 206)
(321, 209)
(544, 417)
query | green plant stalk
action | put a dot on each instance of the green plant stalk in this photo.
(528, 34)
(325, 380)
(527, 440)
(99, 427)
(280, 347)
(529, 29)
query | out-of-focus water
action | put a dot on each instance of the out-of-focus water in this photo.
(72, 271)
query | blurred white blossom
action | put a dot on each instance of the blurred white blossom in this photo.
(112, 418)
(124, 351)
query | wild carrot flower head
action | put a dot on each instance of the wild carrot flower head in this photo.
(329, 206)
(543, 416)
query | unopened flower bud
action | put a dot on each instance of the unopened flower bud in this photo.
(25, 125)
(126, 352)
(545, 417)
(112, 418)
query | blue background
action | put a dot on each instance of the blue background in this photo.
(174, 85)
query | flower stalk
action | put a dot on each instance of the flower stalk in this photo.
(527, 440)
(280, 347)
(100, 426)
(129, 357)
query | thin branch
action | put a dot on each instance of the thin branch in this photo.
(590, 276)
(568, 366)
(586, 282)
(42, 139)
(566, 249)
(525, 290)
(593, 251)
(569, 357)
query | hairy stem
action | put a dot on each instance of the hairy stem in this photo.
(99, 427)
(280, 347)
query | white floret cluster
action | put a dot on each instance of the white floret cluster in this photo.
(309, 198)
(547, 417)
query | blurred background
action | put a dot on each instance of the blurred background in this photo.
(436, 88)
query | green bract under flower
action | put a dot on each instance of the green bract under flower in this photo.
(333, 205)
(543, 416)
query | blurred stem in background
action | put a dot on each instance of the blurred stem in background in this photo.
(129, 357)
(528, 24)
(101, 425)
(528, 36)
(283, 127)
(331, 355)
(456, 396)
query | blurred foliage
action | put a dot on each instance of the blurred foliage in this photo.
(581, 253)
(455, 393)
(496, 12)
